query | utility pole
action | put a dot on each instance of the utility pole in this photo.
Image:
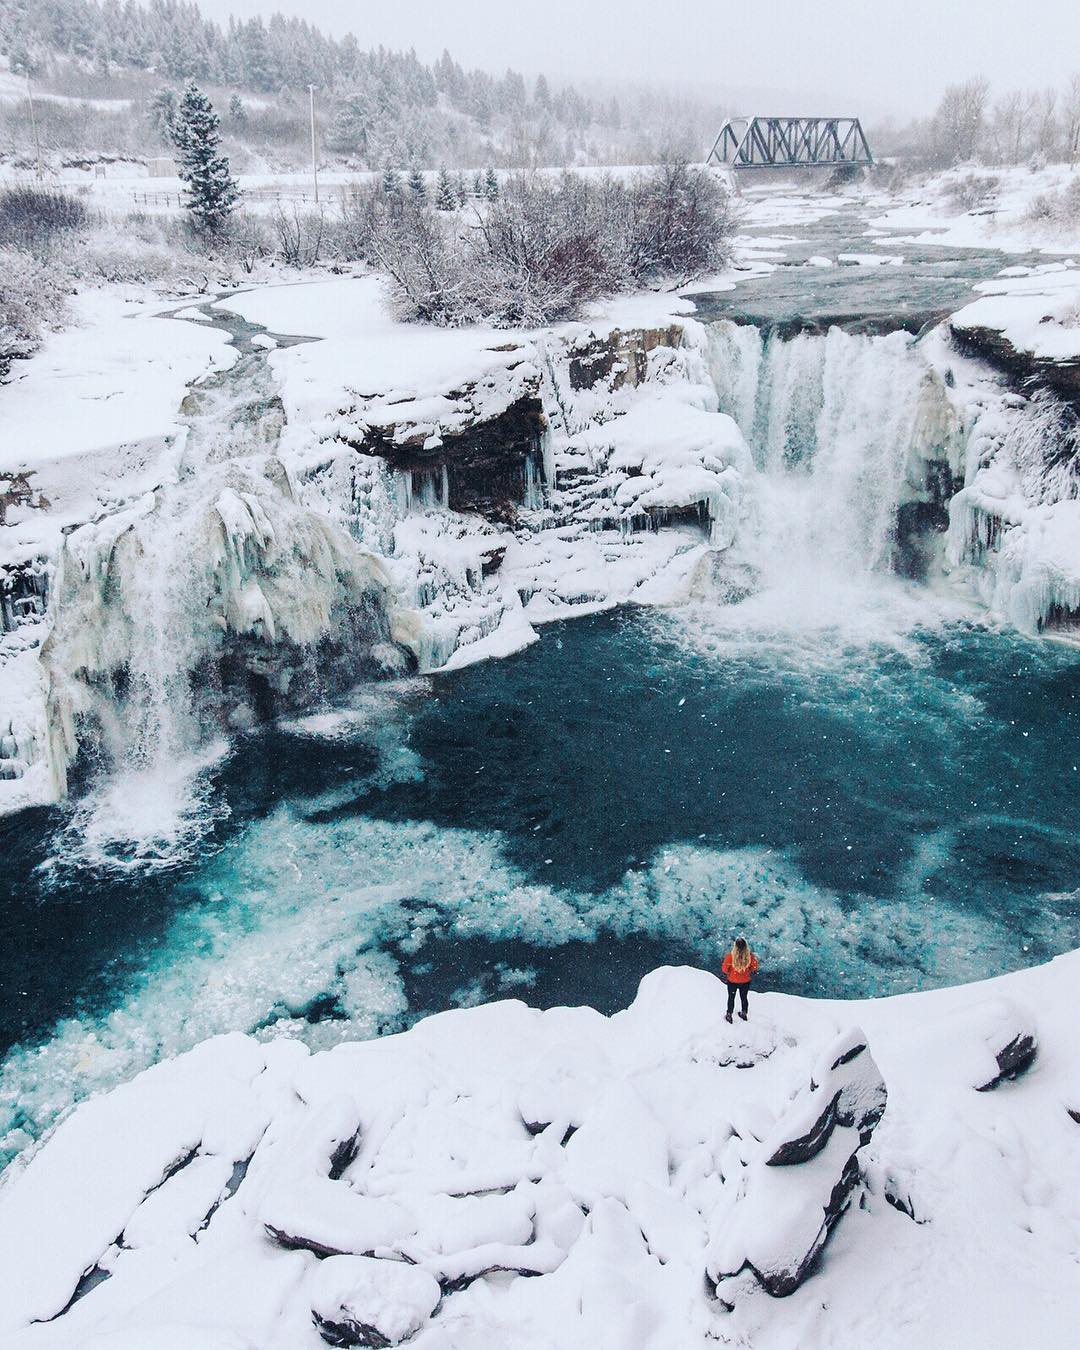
(314, 160)
(33, 124)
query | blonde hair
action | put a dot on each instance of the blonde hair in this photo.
(741, 955)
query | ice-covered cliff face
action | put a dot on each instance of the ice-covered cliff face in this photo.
(882, 454)
(1015, 525)
(384, 496)
(205, 606)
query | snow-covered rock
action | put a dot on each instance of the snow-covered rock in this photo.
(501, 1175)
(773, 1222)
(359, 1301)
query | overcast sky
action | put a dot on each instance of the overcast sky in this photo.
(872, 55)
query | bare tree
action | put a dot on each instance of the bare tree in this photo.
(1070, 119)
(1044, 107)
(1009, 126)
(959, 123)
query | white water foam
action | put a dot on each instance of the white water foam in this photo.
(841, 427)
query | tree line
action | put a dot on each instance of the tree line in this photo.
(972, 122)
(375, 104)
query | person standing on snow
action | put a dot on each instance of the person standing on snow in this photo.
(739, 967)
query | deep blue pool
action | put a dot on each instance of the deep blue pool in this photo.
(878, 815)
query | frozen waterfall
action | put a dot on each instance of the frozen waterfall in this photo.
(845, 429)
(210, 603)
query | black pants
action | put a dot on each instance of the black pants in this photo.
(744, 994)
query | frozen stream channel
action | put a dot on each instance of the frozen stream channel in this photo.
(847, 765)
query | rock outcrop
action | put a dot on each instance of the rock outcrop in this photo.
(777, 1212)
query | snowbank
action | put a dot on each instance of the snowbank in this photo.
(1002, 220)
(506, 1176)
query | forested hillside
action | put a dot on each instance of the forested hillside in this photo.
(373, 106)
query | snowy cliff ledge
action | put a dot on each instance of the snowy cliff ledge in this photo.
(504, 1176)
(1017, 517)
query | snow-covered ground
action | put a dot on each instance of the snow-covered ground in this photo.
(1004, 220)
(503, 1176)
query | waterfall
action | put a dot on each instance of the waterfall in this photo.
(842, 428)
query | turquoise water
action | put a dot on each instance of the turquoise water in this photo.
(880, 812)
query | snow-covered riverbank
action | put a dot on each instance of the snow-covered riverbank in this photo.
(501, 1175)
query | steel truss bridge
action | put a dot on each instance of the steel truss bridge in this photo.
(790, 142)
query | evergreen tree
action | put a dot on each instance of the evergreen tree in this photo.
(446, 198)
(461, 190)
(162, 112)
(391, 182)
(212, 190)
(478, 184)
(417, 186)
(237, 111)
(491, 186)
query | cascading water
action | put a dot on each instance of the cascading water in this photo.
(842, 428)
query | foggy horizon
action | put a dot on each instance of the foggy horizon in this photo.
(871, 64)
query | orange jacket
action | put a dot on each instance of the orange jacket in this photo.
(734, 976)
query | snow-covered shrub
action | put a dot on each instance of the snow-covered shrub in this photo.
(245, 240)
(105, 257)
(34, 218)
(545, 247)
(972, 191)
(32, 297)
(681, 223)
(350, 230)
(1059, 210)
(299, 235)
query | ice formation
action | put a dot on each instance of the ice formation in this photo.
(505, 1176)
(382, 495)
(301, 530)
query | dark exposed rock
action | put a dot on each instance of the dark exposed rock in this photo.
(348, 1332)
(1013, 1059)
(622, 357)
(269, 678)
(24, 593)
(487, 466)
(808, 1145)
(1020, 367)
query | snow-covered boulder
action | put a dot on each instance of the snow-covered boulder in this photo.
(776, 1212)
(359, 1301)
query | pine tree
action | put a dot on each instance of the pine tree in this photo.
(478, 184)
(391, 182)
(491, 186)
(446, 198)
(237, 111)
(417, 186)
(212, 190)
(461, 190)
(162, 112)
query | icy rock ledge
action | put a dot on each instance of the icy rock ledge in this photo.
(501, 1176)
(430, 1181)
(776, 1222)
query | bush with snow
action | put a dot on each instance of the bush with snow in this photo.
(32, 298)
(37, 218)
(544, 248)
